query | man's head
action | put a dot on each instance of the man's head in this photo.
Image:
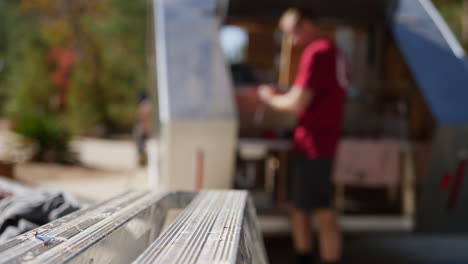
(301, 28)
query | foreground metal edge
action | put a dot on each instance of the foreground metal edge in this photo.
(115, 231)
(217, 227)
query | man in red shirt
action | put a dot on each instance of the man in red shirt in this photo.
(318, 99)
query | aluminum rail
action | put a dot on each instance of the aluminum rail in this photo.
(213, 227)
(115, 231)
(217, 227)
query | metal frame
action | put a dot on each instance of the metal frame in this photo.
(115, 231)
(216, 226)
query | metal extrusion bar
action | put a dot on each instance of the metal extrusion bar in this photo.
(217, 227)
(115, 231)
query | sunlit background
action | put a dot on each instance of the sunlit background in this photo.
(78, 83)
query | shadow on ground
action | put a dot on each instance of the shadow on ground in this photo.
(385, 249)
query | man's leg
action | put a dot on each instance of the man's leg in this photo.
(302, 185)
(301, 231)
(329, 236)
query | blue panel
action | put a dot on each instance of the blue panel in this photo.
(435, 58)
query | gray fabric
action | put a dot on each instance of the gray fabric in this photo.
(14, 230)
(13, 187)
(24, 211)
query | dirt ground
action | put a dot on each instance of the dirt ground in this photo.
(109, 168)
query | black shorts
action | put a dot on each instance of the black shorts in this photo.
(310, 183)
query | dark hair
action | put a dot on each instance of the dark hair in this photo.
(308, 14)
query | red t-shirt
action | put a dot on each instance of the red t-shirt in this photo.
(322, 70)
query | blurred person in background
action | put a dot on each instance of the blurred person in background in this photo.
(142, 127)
(317, 98)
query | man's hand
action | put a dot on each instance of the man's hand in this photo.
(266, 93)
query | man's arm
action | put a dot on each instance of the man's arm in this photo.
(295, 100)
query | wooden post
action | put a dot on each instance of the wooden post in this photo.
(290, 58)
(340, 198)
(408, 183)
(285, 64)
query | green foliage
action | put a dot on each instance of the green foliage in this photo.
(51, 137)
(112, 69)
(108, 38)
(25, 87)
(24, 82)
(31, 89)
(8, 51)
(452, 12)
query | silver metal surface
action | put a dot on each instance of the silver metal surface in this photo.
(193, 80)
(214, 227)
(217, 227)
(115, 231)
(434, 211)
(198, 123)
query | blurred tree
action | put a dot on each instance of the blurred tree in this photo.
(4, 6)
(25, 82)
(115, 50)
(455, 12)
(24, 79)
(465, 21)
(7, 13)
(83, 61)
